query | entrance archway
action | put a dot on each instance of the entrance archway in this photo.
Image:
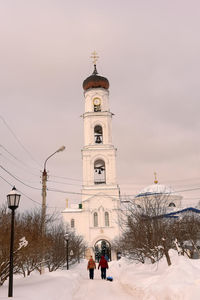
(102, 247)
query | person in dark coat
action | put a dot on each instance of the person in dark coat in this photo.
(104, 265)
(91, 266)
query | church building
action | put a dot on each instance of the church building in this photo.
(96, 217)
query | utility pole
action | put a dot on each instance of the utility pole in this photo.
(44, 196)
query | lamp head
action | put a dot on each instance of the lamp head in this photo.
(13, 199)
(61, 149)
(66, 236)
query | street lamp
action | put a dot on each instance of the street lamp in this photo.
(44, 195)
(44, 186)
(13, 199)
(66, 236)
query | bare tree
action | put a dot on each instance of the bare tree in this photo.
(5, 245)
(28, 233)
(145, 235)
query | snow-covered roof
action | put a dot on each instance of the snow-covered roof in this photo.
(71, 210)
(188, 210)
(154, 189)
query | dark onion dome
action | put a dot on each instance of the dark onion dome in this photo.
(95, 81)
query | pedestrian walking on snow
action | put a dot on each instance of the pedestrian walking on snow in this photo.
(104, 265)
(91, 266)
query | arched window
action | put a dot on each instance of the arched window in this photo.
(95, 219)
(98, 134)
(106, 219)
(172, 204)
(99, 172)
(72, 223)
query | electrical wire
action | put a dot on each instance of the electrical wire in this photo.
(85, 194)
(19, 179)
(14, 163)
(82, 194)
(17, 159)
(64, 183)
(17, 139)
(6, 181)
(68, 178)
(21, 192)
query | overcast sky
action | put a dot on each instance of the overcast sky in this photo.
(150, 53)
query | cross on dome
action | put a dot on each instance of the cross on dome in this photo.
(156, 180)
(95, 57)
(94, 80)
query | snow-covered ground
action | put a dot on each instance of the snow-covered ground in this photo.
(181, 281)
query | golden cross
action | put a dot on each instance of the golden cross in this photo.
(156, 180)
(94, 57)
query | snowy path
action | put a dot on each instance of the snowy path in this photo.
(70, 285)
(99, 289)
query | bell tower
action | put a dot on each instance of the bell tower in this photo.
(97, 217)
(98, 153)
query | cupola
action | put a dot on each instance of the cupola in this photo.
(95, 81)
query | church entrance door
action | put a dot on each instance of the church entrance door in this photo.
(102, 247)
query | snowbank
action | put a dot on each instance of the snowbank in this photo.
(159, 281)
(51, 286)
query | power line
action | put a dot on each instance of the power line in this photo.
(21, 192)
(30, 198)
(64, 183)
(166, 181)
(19, 142)
(19, 160)
(187, 190)
(82, 194)
(85, 194)
(68, 178)
(14, 163)
(19, 179)
(6, 181)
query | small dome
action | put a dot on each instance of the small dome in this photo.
(155, 189)
(95, 81)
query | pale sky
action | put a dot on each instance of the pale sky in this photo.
(149, 51)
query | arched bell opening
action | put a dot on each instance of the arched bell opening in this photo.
(99, 172)
(98, 134)
(102, 247)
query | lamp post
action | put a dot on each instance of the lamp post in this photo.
(67, 248)
(44, 186)
(44, 195)
(13, 199)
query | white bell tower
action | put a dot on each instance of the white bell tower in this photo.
(97, 217)
(98, 153)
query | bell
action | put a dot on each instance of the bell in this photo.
(98, 139)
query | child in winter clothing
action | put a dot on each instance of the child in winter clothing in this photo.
(91, 266)
(104, 265)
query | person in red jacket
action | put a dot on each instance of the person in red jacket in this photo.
(91, 266)
(104, 265)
